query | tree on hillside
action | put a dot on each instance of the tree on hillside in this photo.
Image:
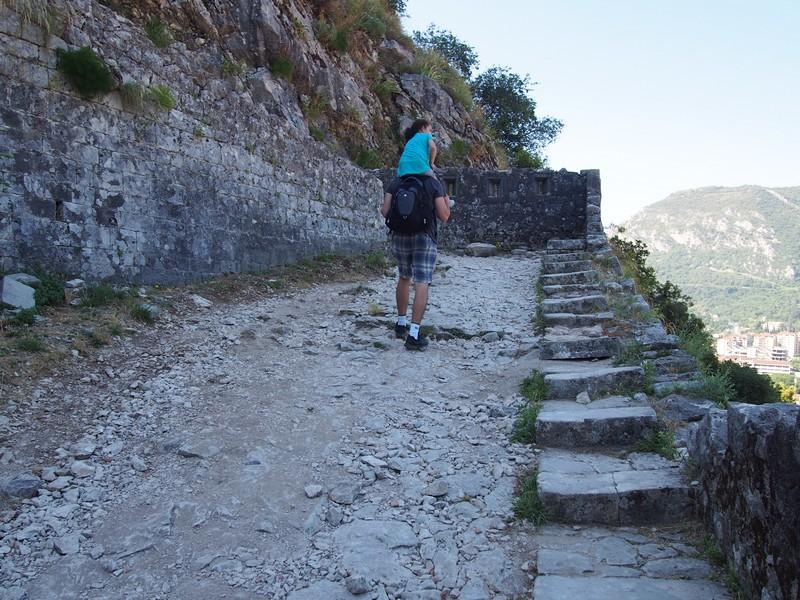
(461, 56)
(511, 113)
(398, 6)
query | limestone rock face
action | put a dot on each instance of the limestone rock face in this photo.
(749, 458)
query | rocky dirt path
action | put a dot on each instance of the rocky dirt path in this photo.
(293, 448)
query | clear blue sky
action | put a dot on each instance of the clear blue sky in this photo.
(660, 95)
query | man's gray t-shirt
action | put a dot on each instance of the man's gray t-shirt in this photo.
(433, 187)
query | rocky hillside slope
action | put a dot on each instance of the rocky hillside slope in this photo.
(735, 251)
(346, 72)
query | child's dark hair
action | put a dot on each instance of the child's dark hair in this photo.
(415, 128)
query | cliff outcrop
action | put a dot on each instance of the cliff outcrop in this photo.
(227, 141)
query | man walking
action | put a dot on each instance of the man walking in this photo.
(416, 258)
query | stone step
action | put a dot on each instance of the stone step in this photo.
(572, 347)
(573, 266)
(567, 256)
(598, 382)
(559, 587)
(590, 276)
(639, 489)
(573, 320)
(571, 290)
(572, 245)
(576, 562)
(578, 305)
(615, 421)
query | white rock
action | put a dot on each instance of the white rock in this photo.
(200, 301)
(68, 544)
(81, 469)
(313, 490)
(17, 294)
(583, 398)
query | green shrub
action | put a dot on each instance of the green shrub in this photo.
(158, 33)
(282, 67)
(30, 343)
(24, 317)
(524, 431)
(100, 295)
(143, 313)
(233, 68)
(373, 26)
(133, 95)
(533, 387)
(525, 159)
(700, 345)
(162, 97)
(660, 441)
(716, 387)
(630, 354)
(527, 505)
(316, 132)
(367, 158)
(315, 106)
(86, 72)
(749, 385)
(375, 260)
(384, 89)
(433, 65)
(50, 291)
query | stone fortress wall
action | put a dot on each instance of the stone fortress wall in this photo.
(218, 184)
(518, 207)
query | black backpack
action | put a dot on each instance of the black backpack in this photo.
(412, 207)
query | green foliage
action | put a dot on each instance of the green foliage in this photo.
(384, 89)
(786, 392)
(316, 132)
(398, 6)
(456, 154)
(700, 345)
(796, 364)
(525, 426)
(143, 313)
(527, 504)
(375, 260)
(629, 354)
(511, 112)
(283, 67)
(459, 55)
(100, 295)
(373, 26)
(660, 441)
(29, 343)
(649, 376)
(50, 291)
(750, 386)
(162, 97)
(25, 317)
(533, 387)
(524, 159)
(233, 68)
(711, 551)
(331, 36)
(133, 95)
(433, 65)
(716, 387)
(315, 106)
(86, 72)
(367, 158)
(158, 33)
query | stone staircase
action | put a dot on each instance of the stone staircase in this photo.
(589, 472)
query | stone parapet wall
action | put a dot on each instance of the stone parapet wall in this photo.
(519, 207)
(749, 462)
(222, 183)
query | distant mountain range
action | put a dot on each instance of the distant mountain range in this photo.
(735, 251)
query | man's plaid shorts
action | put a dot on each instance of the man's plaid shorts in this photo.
(416, 256)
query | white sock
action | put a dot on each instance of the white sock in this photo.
(402, 320)
(414, 331)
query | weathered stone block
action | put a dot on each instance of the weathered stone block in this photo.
(579, 305)
(568, 347)
(577, 277)
(749, 459)
(560, 426)
(16, 294)
(596, 382)
(553, 268)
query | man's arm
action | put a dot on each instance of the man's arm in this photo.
(387, 204)
(432, 150)
(441, 208)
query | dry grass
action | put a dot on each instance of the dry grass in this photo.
(88, 330)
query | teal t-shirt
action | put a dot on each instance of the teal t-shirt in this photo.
(414, 160)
